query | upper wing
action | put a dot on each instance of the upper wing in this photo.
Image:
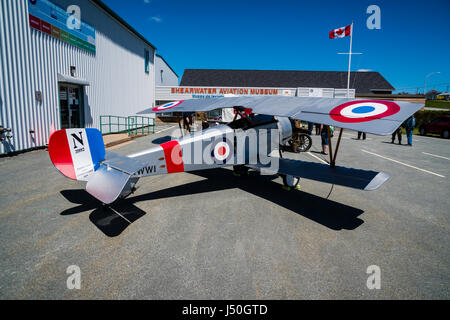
(373, 116)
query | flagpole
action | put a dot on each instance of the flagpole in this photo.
(349, 61)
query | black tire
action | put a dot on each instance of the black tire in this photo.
(287, 182)
(422, 131)
(305, 143)
(445, 134)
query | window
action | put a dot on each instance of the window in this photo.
(147, 61)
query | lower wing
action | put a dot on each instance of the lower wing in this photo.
(342, 176)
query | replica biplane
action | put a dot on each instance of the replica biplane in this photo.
(251, 141)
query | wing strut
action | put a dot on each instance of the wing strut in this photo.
(333, 159)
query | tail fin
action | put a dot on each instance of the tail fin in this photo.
(76, 153)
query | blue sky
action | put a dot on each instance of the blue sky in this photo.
(293, 35)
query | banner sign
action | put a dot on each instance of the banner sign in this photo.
(49, 18)
(223, 91)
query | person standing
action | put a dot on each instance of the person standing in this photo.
(310, 127)
(363, 135)
(187, 120)
(318, 126)
(409, 127)
(397, 133)
(324, 136)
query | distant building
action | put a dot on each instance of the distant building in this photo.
(165, 75)
(363, 83)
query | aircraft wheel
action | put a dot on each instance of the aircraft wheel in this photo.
(239, 171)
(290, 182)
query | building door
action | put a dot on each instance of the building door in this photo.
(71, 106)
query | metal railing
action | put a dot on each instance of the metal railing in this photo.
(132, 125)
(140, 125)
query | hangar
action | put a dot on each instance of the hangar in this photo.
(58, 74)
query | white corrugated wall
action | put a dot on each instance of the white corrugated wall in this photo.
(31, 60)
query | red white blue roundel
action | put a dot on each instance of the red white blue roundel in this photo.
(221, 151)
(167, 106)
(363, 110)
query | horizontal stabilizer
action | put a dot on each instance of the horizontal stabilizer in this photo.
(106, 184)
(122, 163)
(342, 176)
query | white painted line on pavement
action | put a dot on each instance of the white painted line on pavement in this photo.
(164, 129)
(435, 155)
(321, 160)
(405, 164)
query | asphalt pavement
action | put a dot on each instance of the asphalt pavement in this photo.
(210, 235)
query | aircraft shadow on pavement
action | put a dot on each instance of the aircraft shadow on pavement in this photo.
(329, 213)
(111, 220)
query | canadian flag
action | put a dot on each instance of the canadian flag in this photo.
(341, 32)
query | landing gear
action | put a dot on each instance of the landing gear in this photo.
(240, 171)
(290, 182)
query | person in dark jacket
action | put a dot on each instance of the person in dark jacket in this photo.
(187, 120)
